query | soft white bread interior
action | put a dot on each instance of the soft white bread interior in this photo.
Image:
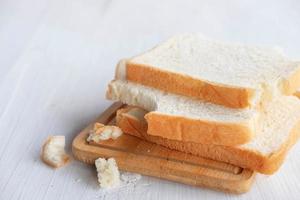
(224, 73)
(53, 152)
(186, 119)
(265, 153)
(108, 172)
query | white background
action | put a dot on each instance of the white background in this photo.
(56, 58)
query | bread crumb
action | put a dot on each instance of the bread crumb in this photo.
(53, 152)
(127, 178)
(102, 132)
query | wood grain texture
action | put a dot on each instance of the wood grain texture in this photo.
(135, 155)
(57, 57)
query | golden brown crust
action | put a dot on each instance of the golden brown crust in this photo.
(233, 97)
(233, 155)
(131, 125)
(66, 158)
(297, 94)
(198, 131)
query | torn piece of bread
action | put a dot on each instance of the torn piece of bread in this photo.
(108, 172)
(53, 152)
(181, 118)
(265, 153)
(103, 132)
(224, 73)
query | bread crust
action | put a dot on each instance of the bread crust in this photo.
(198, 131)
(297, 94)
(234, 97)
(233, 155)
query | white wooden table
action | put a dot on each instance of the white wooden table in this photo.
(57, 57)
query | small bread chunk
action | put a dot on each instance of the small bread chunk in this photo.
(102, 132)
(53, 152)
(108, 172)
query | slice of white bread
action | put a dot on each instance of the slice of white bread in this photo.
(265, 153)
(228, 74)
(53, 152)
(185, 119)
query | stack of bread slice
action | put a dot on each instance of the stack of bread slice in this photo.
(224, 101)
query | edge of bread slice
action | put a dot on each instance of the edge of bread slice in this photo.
(227, 74)
(265, 153)
(185, 119)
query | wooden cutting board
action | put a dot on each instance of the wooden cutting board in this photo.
(135, 155)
